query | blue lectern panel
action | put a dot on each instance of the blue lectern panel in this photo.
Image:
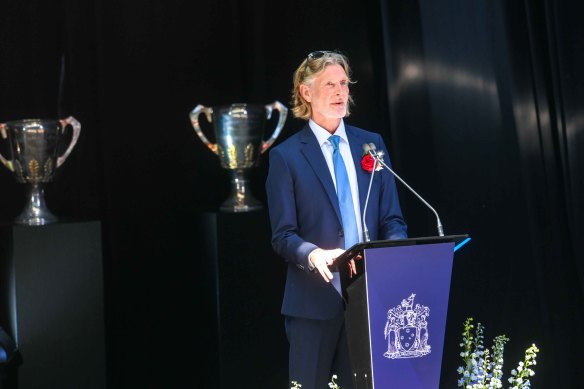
(407, 293)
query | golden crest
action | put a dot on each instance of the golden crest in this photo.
(33, 170)
(249, 154)
(48, 168)
(232, 156)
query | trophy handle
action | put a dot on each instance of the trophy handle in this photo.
(281, 120)
(76, 126)
(195, 122)
(6, 162)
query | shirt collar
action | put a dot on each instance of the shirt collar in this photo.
(322, 135)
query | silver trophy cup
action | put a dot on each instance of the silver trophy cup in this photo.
(34, 147)
(239, 133)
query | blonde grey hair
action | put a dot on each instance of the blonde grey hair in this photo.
(305, 74)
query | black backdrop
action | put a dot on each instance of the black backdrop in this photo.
(479, 102)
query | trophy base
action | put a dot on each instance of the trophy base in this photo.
(240, 199)
(31, 219)
(233, 205)
(35, 213)
(35, 221)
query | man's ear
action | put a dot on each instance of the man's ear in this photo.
(305, 92)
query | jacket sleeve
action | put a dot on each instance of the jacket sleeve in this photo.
(282, 210)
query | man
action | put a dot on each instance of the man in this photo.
(316, 191)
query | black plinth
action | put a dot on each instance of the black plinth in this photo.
(252, 345)
(52, 303)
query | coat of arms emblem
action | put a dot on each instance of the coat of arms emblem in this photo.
(406, 330)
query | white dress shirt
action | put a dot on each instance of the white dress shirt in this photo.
(326, 147)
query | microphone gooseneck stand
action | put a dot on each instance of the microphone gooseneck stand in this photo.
(378, 157)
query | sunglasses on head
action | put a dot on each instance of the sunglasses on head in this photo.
(317, 54)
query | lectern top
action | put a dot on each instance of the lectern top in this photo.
(359, 247)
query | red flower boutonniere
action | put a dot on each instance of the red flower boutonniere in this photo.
(367, 163)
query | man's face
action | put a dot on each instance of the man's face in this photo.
(328, 95)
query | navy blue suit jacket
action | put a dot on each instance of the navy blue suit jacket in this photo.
(304, 214)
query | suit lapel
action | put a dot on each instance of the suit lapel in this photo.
(313, 154)
(356, 143)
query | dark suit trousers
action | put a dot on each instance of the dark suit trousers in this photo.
(319, 350)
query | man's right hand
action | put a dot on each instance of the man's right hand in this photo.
(321, 259)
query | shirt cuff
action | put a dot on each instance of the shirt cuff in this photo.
(311, 267)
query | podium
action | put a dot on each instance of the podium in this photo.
(51, 303)
(396, 310)
(251, 344)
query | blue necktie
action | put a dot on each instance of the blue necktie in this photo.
(345, 201)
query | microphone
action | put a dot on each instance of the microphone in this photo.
(368, 150)
(378, 156)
